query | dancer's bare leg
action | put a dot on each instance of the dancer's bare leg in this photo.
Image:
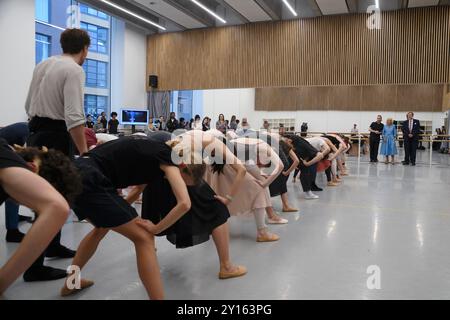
(272, 215)
(263, 234)
(52, 211)
(85, 251)
(147, 262)
(221, 239)
(286, 206)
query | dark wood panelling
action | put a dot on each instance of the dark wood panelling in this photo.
(425, 97)
(411, 48)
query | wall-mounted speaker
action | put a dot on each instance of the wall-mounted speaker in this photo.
(153, 81)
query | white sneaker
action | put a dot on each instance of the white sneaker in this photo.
(281, 221)
(311, 196)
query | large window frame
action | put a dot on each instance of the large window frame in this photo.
(96, 73)
(42, 10)
(85, 9)
(100, 39)
(43, 45)
(94, 105)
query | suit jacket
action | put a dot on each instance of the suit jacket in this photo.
(415, 129)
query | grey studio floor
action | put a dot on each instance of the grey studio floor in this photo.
(394, 217)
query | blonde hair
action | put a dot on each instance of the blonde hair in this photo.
(190, 161)
(389, 120)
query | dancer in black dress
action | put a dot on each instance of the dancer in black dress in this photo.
(207, 216)
(309, 157)
(279, 186)
(119, 164)
(17, 181)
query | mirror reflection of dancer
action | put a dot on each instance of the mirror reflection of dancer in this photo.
(208, 215)
(17, 181)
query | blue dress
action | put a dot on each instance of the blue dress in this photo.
(389, 146)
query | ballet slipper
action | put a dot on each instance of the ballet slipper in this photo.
(84, 284)
(287, 210)
(332, 184)
(267, 237)
(239, 271)
(278, 220)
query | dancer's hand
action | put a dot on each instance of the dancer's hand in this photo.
(285, 173)
(147, 226)
(224, 200)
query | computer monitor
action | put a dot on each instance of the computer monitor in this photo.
(135, 117)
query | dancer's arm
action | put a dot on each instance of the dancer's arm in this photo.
(295, 163)
(180, 191)
(276, 167)
(134, 194)
(325, 149)
(317, 158)
(230, 159)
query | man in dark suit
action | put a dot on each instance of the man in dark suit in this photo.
(411, 133)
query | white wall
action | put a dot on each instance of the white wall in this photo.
(241, 102)
(135, 68)
(17, 58)
(129, 61)
(117, 60)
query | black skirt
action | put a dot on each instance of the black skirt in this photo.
(100, 203)
(8, 159)
(196, 226)
(279, 185)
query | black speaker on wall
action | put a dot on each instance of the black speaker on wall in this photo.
(153, 81)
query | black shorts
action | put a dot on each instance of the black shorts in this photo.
(8, 159)
(99, 202)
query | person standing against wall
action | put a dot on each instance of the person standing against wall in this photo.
(55, 105)
(113, 124)
(411, 135)
(376, 128)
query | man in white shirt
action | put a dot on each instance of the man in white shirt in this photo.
(55, 105)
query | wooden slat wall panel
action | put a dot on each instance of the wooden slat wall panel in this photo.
(424, 97)
(411, 48)
(382, 98)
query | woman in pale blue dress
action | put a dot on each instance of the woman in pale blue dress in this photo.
(389, 145)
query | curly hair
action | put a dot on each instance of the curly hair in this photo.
(57, 169)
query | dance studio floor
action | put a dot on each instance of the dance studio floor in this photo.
(394, 217)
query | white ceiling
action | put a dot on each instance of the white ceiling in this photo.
(332, 6)
(249, 9)
(182, 14)
(164, 9)
(422, 3)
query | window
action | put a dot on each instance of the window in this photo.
(93, 12)
(95, 105)
(42, 10)
(99, 37)
(182, 104)
(96, 73)
(42, 47)
(97, 70)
